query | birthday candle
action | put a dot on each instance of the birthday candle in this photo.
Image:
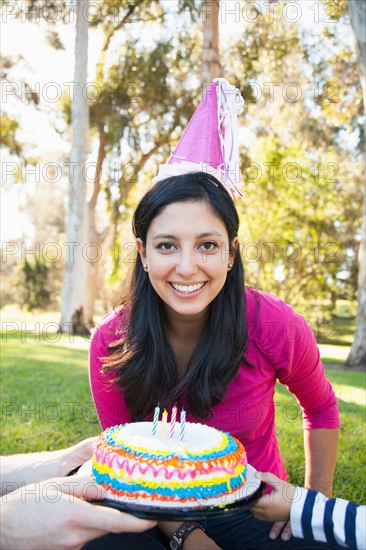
(155, 421)
(182, 425)
(172, 421)
(163, 426)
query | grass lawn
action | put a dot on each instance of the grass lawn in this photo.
(46, 404)
(45, 397)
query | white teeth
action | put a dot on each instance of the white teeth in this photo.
(187, 288)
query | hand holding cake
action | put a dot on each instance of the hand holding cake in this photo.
(39, 511)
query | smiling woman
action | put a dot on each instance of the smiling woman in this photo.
(185, 262)
(188, 333)
(188, 285)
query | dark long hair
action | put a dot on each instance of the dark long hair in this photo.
(143, 359)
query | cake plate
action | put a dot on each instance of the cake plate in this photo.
(252, 490)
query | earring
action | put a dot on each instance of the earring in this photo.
(229, 266)
(146, 268)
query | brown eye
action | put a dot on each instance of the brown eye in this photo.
(208, 246)
(166, 247)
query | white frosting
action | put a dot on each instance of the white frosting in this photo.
(198, 438)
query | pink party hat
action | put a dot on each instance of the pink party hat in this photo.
(210, 141)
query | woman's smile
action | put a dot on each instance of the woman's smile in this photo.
(187, 290)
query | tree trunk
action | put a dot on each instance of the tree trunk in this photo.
(357, 355)
(96, 238)
(211, 67)
(75, 312)
(357, 14)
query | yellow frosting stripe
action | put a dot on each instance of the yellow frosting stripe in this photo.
(180, 485)
(224, 478)
(121, 472)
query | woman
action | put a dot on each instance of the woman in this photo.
(188, 333)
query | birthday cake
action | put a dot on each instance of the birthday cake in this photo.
(145, 463)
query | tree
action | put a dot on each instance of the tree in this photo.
(75, 313)
(301, 185)
(357, 355)
(32, 284)
(210, 67)
(9, 127)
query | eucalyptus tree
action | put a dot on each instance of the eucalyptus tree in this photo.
(75, 310)
(357, 356)
(210, 64)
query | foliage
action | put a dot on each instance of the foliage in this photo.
(8, 133)
(9, 125)
(32, 284)
(295, 233)
(301, 211)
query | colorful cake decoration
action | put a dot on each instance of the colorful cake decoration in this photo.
(164, 422)
(156, 419)
(172, 421)
(195, 466)
(182, 425)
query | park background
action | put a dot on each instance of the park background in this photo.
(91, 105)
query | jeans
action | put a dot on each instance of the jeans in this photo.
(239, 532)
(127, 541)
(244, 531)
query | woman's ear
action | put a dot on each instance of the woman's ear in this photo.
(141, 250)
(234, 247)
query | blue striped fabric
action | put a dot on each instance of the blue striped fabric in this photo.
(350, 524)
(306, 515)
(328, 521)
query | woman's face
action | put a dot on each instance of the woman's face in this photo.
(187, 254)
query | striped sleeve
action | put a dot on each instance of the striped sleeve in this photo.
(338, 521)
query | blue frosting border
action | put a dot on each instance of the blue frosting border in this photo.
(231, 447)
(202, 492)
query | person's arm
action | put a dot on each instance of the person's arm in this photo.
(320, 459)
(53, 514)
(312, 514)
(109, 402)
(32, 467)
(338, 521)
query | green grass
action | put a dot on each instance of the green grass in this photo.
(45, 397)
(46, 404)
(338, 331)
(350, 389)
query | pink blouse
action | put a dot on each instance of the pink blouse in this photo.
(281, 346)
